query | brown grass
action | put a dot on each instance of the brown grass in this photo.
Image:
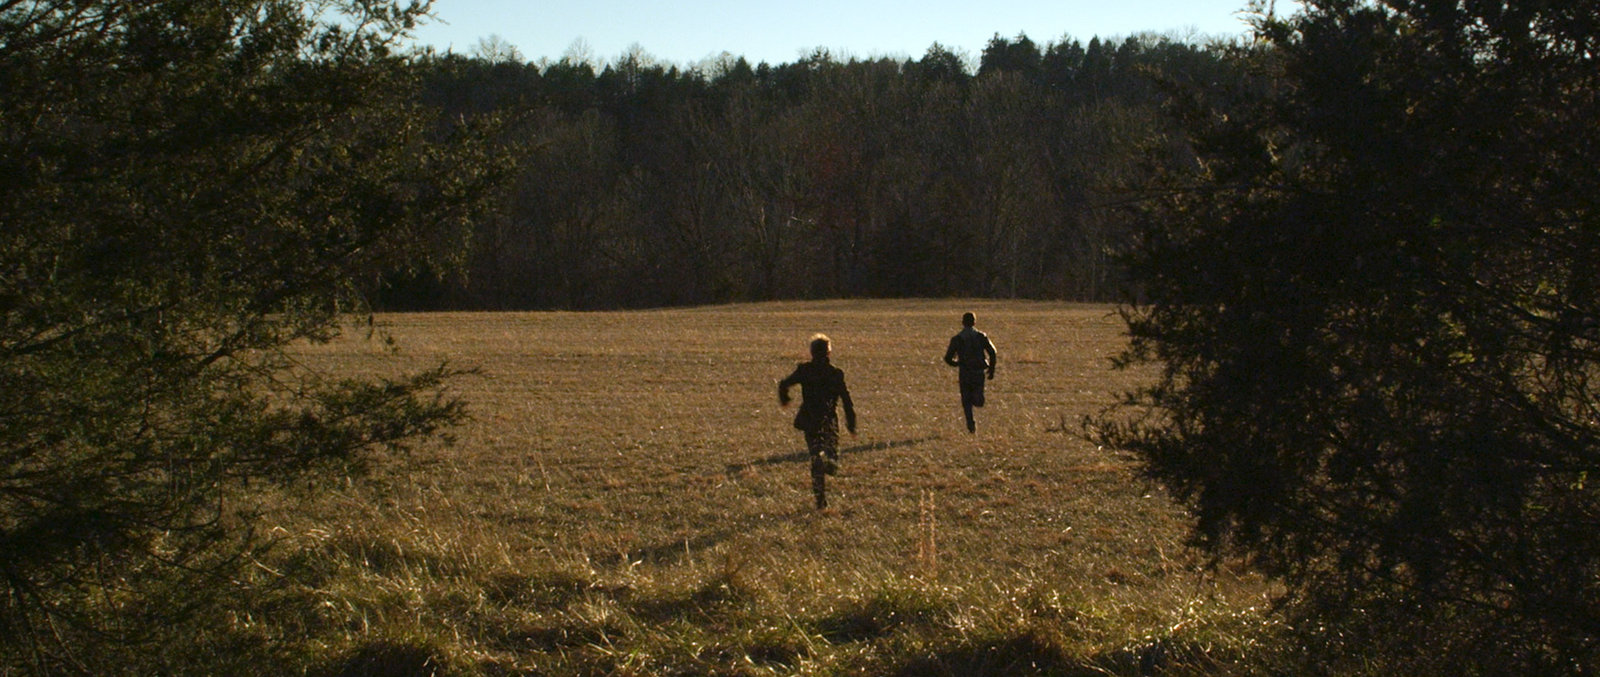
(631, 500)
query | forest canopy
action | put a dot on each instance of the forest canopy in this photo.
(648, 184)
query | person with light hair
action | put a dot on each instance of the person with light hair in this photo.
(822, 389)
(973, 354)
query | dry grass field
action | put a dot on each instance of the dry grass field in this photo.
(630, 499)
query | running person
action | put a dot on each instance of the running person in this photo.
(821, 389)
(973, 354)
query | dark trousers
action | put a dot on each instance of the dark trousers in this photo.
(971, 394)
(823, 446)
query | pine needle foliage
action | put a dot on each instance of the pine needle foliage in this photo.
(191, 187)
(1375, 304)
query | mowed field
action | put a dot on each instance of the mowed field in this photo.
(629, 498)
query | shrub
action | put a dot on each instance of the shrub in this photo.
(1379, 327)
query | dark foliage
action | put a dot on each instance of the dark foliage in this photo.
(190, 188)
(1376, 311)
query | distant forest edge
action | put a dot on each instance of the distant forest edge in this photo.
(642, 184)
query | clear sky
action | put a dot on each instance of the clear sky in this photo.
(685, 32)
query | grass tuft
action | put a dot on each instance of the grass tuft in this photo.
(1027, 652)
(393, 658)
(890, 606)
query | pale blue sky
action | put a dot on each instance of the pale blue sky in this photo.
(685, 32)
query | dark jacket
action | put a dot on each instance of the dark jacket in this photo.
(970, 350)
(821, 389)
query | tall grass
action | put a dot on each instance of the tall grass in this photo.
(630, 499)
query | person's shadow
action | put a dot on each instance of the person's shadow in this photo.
(798, 456)
(676, 550)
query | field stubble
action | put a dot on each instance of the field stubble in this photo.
(630, 499)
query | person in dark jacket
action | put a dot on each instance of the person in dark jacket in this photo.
(973, 354)
(822, 388)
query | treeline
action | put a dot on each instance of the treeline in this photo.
(645, 184)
